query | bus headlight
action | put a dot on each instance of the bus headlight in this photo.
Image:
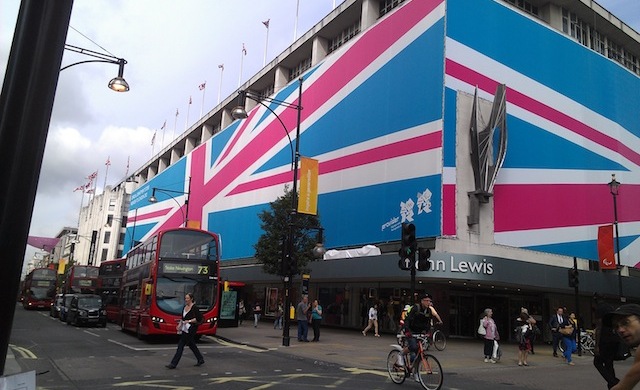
(158, 320)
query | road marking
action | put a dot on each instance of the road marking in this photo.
(155, 384)
(92, 334)
(359, 371)
(24, 352)
(239, 346)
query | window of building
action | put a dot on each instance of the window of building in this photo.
(344, 36)
(299, 69)
(525, 6)
(107, 237)
(598, 42)
(266, 92)
(109, 219)
(387, 5)
(103, 257)
(112, 204)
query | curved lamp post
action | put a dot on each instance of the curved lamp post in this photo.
(614, 187)
(185, 214)
(118, 83)
(239, 112)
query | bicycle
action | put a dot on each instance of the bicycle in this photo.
(587, 341)
(425, 367)
(437, 338)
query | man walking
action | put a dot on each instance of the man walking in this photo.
(555, 323)
(625, 321)
(301, 317)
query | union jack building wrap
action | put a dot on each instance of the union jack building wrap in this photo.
(385, 115)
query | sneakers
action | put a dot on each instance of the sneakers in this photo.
(416, 377)
(486, 360)
(492, 361)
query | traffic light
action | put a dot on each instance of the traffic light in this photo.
(408, 243)
(573, 277)
(423, 259)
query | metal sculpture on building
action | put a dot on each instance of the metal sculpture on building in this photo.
(488, 150)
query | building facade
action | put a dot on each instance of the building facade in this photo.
(493, 126)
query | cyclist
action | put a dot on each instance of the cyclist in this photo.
(419, 321)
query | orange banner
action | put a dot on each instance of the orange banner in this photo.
(308, 200)
(606, 254)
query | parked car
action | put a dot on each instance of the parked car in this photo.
(87, 309)
(57, 304)
(64, 308)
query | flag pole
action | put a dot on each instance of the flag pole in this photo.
(186, 121)
(106, 173)
(266, 44)
(242, 54)
(295, 26)
(203, 88)
(163, 128)
(221, 67)
(175, 124)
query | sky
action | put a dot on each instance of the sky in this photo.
(172, 47)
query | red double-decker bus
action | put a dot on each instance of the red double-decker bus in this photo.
(109, 283)
(81, 279)
(39, 289)
(161, 271)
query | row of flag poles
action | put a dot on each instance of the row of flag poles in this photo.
(202, 87)
(92, 180)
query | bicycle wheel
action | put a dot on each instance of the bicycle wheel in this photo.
(588, 344)
(430, 372)
(439, 340)
(394, 367)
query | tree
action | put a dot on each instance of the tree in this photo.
(276, 222)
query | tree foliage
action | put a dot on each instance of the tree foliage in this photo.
(276, 224)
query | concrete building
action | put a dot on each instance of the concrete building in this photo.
(493, 126)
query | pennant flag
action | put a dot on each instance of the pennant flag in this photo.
(266, 23)
(202, 86)
(164, 125)
(606, 253)
(92, 176)
(189, 99)
(177, 113)
(89, 191)
(221, 66)
(108, 161)
(78, 188)
(244, 51)
(153, 141)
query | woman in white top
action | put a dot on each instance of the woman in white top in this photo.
(373, 320)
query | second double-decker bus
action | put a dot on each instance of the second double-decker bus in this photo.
(81, 279)
(109, 283)
(39, 289)
(161, 271)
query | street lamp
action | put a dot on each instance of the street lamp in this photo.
(614, 187)
(118, 83)
(240, 112)
(185, 214)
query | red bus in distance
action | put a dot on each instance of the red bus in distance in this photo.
(39, 289)
(81, 279)
(161, 271)
(109, 283)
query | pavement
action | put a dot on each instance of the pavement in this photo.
(349, 348)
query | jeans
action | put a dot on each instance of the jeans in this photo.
(303, 329)
(569, 347)
(277, 323)
(256, 318)
(186, 338)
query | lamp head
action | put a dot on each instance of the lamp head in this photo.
(239, 112)
(119, 84)
(153, 198)
(614, 185)
(319, 250)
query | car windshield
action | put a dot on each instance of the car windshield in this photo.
(90, 301)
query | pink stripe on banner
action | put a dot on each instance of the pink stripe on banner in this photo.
(449, 210)
(381, 153)
(472, 77)
(371, 45)
(241, 130)
(544, 206)
(153, 214)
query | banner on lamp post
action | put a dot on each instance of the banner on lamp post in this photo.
(606, 254)
(308, 200)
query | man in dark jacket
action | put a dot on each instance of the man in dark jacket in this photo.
(607, 343)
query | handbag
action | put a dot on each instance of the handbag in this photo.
(568, 331)
(482, 331)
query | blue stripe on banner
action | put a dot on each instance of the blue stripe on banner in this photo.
(405, 92)
(450, 116)
(221, 139)
(532, 147)
(583, 249)
(547, 56)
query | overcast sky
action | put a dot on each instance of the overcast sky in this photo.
(171, 47)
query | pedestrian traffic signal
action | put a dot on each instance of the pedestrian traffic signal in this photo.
(423, 259)
(573, 278)
(408, 243)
